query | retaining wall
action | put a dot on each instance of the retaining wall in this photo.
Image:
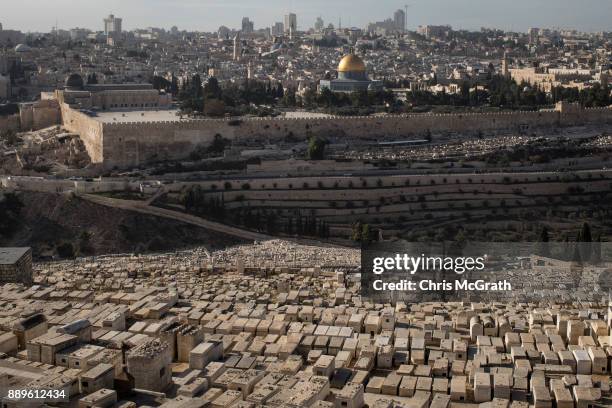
(9, 122)
(90, 130)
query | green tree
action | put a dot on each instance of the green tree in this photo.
(85, 246)
(212, 90)
(218, 144)
(566, 249)
(316, 148)
(544, 248)
(66, 250)
(214, 107)
(362, 232)
(9, 136)
(289, 226)
(10, 212)
(92, 79)
(585, 242)
(271, 223)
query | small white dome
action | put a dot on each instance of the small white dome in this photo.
(22, 48)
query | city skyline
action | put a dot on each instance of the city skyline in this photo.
(207, 15)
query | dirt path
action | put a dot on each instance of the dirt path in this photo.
(144, 207)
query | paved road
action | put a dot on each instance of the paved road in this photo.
(143, 207)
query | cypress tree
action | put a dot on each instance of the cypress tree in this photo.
(544, 249)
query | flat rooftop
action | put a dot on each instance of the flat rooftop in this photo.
(132, 116)
(127, 116)
(119, 87)
(9, 256)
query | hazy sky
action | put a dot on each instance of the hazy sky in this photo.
(208, 15)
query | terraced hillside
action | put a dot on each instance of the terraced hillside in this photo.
(407, 205)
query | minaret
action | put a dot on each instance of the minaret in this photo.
(237, 47)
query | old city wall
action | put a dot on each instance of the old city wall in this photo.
(9, 122)
(129, 144)
(595, 115)
(136, 143)
(126, 144)
(46, 113)
(39, 115)
(89, 129)
(40, 184)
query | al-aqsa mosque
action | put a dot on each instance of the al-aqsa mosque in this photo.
(352, 77)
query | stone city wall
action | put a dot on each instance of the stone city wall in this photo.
(131, 144)
(39, 115)
(9, 122)
(32, 116)
(127, 144)
(89, 129)
(40, 184)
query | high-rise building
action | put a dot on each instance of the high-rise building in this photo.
(223, 33)
(399, 18)
(112, 25)
(0, 26)
(319, 24)
(434, 31)
(277, 29)
(79, 34)
(290, 23)
(382, 27)
(534, 35)
(247, 25)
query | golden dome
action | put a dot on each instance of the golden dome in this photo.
(351, 63)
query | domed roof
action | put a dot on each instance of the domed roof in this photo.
(74, 81)
(22, 48)
(351, 63)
